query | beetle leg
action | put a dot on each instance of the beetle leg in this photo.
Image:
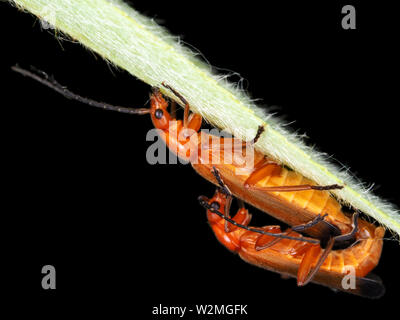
(352, 233)
(176, 93)
(186, 116)
(301, 187)
(263, 169)
(223, 186)
(304, 226)
(268, 170)
(306, 270)
(262, 242)
(193, 122)
(253, 141)
(242, 217)
(173, 109)
(265, 241)
(226, 212)
(260, 131)
(190, 124)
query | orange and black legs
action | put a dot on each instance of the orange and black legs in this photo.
(173, 109)
(193, 121)
(263, 242)
(241, 214)
(260, 131)
(253, 141)
(269, 168)
(263, 169)
(315, 255)
(221, 183)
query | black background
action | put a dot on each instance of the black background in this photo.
(125, 235)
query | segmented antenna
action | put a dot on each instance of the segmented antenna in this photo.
(44, 79)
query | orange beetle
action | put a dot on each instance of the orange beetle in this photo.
(295, 258)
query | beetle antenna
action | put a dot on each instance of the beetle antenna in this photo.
(206, 205)
(44, 79)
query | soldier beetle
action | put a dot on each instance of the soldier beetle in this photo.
(295, 258)
(268, 185)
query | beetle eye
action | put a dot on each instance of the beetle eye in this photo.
(159, 113)
(215, 205)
